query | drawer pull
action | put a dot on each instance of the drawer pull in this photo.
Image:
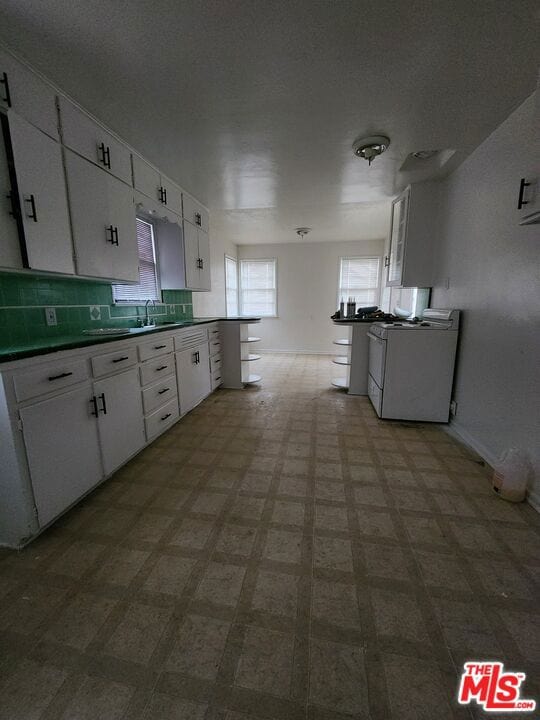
(162, 367)
(7, 96)
(33, 214)
(57, 377)
(168, 415)
(121, 359)
(103, 403)
(159, 347)
(198, 219)
(93, 401)
(160, 392)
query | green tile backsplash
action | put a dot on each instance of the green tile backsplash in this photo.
(79, 305)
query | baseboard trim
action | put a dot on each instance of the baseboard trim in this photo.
(459, 432)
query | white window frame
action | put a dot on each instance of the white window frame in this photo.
(235, 260)
(359, 257)
(117, 288)
(240, 300)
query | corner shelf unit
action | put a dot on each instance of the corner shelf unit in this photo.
(237, 370)
(344, 361)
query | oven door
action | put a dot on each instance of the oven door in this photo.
(377, 358)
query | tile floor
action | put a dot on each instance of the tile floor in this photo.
(280, 553)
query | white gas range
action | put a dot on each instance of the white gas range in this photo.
(411, 366)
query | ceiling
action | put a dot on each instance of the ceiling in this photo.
(253, 105)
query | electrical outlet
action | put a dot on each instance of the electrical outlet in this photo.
(50, 316)
(453, 408)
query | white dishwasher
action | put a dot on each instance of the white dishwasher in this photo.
(411, 366)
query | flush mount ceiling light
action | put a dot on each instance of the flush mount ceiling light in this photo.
(302, 232)
(369, 147)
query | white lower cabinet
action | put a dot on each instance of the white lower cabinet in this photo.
(62, 448)
(193, 376)
(121, 426)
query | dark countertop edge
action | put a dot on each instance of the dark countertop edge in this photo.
(88, 340)
(346, 321)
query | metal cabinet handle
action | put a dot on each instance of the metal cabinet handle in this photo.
(93, 402)
(168, 415)
(198, 219)
(522, 185)
(33, 214)
(386, 261)
(121, 359)
(113, 239)
(194, 358)
(9, 196)
(62, 375)
(159, 347)
(7, 95)
(162, 367)
(163, 194)
(105, 158)
(103, 403)
(160, 392)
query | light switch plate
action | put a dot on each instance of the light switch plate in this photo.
(50, 316)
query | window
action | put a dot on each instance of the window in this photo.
(148, 287)
(359, 279)
(258, 296)
(231, 286)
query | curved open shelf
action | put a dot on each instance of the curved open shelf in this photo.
(342, 341)
(251, 379)
(341, 360)
(250, 339)
(342, 383)
(251, 357)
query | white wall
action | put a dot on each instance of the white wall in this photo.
(493, 267)
(212, 304)
(307, 291)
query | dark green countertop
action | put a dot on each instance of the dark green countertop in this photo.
(43, 346)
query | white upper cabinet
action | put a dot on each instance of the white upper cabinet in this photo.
(196, 213)
(42, 197)
(103, 222)
(87, 138)
(413, 234)
(26, 94)
(149, 181)
(191, 254)
(10, 248)
(528, 187)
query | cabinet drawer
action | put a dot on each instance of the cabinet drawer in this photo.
(82, 134)
(155, 348)
(195, 213)
(114, 361)
(159, 394)
(215, 363)
(160, 420)
(153, 370)
(47, 378)
(216, 379)
(190, 338)
(215, 347)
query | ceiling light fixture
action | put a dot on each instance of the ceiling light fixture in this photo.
(302, 231)
(370, 147)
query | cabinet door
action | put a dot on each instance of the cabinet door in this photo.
(193, 376)
(61, 439)
(121, 426)
(10, 248)
(195, 213)
(172, 196)
(42, 195)
(398, 236)
(103, 222)
(26, 94)
(146, 178)
(191, 254)
(86, 137)
(170, 249)
(204, 255)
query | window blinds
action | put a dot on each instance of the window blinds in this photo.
(147, 287)
(231, 286)
(359, 278)
(258, 295)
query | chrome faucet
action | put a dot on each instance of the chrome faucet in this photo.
(147, 320)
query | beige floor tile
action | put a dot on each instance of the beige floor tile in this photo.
(198, 648)
(138, 633)
(265, 664)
